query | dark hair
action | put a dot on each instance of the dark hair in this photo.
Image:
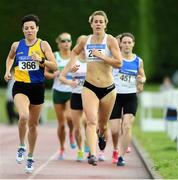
(30, 17)
(118, 36)
(127, 34)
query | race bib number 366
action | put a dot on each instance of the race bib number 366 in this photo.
(28, 65)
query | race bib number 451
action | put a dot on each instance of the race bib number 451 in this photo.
(28, 65)
(127, 78)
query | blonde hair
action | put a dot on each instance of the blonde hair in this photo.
(58, 39)
(100, 13)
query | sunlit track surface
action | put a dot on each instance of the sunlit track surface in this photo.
(48, 167)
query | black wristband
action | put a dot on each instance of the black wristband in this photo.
(42, 60)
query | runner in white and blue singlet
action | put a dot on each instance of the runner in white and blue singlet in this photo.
(98, 95)
(129, 80)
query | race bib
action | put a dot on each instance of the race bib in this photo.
(90, 47)
(90, 55)
(28, 65)
(81, 82)
(127, 78)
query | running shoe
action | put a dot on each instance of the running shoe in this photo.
(101, 156)
(29, 166)
(120, 161)
(72, 141)
(20, 154)
(114, 156)
(92, 160)
(80, 156)
(128, 150)
(101, 142)
(62, 155)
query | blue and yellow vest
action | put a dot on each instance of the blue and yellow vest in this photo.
(27, 70)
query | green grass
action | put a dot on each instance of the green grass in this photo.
(161, 150)
(159, 147)
(3, 115)
(151, 87)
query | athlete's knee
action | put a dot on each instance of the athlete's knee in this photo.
(92, 119)
(115, 126)
(91, 123)
(61, 122)
(23, 120)
(22, 123)
(114, 130)
(127, 126)
(23, 116)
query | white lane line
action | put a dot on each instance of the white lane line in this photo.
(43, 165)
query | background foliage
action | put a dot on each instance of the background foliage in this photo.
(153, 22)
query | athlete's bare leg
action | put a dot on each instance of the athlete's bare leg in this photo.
(32, 124)
(22, 104)
(105, 109)
(77, 122)
(115, 125)
(126, 133)
(90, 105)
(68, 117)
(59, 108)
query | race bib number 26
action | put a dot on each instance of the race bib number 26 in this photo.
(28, 65)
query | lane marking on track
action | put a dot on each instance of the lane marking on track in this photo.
(43, 165)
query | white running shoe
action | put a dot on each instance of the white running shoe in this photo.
(101, 156)
(20, 154)
(29, 166)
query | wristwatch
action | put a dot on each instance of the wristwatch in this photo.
(42, 60)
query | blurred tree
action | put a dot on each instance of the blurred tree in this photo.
(150, 21)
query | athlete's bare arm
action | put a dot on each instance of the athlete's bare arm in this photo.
(10, 61)
(141, 77)
(75, 52)
(51, 61)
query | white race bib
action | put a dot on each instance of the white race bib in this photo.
(81, 82)
(127, 78)
(28, 65)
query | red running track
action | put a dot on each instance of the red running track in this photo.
(48, 167)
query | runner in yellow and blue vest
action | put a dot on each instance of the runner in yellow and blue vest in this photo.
(31, 56)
